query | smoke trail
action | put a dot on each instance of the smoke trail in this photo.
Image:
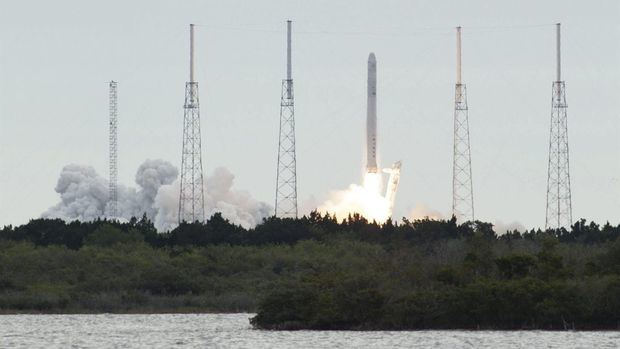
(84, 196)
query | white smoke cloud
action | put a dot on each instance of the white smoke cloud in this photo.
(84, 196)
(308, 205)
(238, 206)
(83, 193)
(501, 228)
(421, 211)
(151, 175)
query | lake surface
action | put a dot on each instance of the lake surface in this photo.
(234, 331)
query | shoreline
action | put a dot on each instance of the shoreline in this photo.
(298, 328)
(130, 312)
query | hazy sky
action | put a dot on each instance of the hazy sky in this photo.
(56, 57)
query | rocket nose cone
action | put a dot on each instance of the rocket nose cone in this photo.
(371, 57)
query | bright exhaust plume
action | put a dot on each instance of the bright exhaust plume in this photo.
(366, 199)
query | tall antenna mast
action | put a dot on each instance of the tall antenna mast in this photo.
(289, 72)
(113, 159)
(191, 53)
(191, 195)
(557, 53)
(559, 206)
(462, 186)
(458, 55)
(286, 180)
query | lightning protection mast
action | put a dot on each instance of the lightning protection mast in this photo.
(191, 195)
(286, 181)
(559, 207)
(462, 187)
(113, 144)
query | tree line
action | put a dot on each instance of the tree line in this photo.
(317, 272)
(316, 226)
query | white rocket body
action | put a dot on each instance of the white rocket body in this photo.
(371, 116)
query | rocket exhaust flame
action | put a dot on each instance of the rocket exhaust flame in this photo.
(366, 199)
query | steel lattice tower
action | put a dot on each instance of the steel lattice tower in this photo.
(462, 187)
(559, 207)
(113, 192)
(191, 195)
(286, 182)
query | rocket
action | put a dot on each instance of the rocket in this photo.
(371, 116)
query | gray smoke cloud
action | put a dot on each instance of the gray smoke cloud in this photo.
(150, 177)
(84, 196)
(220, 197)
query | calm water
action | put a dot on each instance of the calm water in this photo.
(233, 331)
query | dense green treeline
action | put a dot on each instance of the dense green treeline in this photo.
(217, 231)
(316, 272)
(459, 284)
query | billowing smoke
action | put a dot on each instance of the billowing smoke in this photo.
(366, 199)
(151, 176)
(84, 196)
(236, 205)
(84, 193)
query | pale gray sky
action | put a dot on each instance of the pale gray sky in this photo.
(56, 57)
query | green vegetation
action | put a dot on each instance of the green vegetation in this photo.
(318, 273)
